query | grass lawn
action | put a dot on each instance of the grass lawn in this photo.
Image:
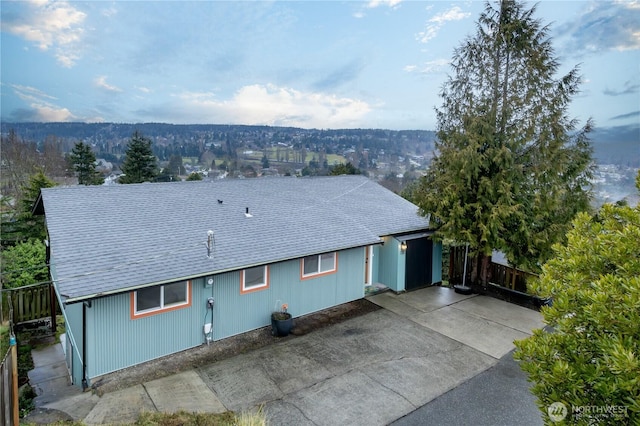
(227, 418)
(272, 152)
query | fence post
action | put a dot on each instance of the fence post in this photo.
(14, 380)
(52, 307)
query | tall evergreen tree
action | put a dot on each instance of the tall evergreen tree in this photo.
(84, 164)
(27, 225)
(511, 169)
(175, 165)
(139, 164)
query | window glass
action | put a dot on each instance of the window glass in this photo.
(310, 265)
(327, 262)
(148, 298)
(254, 277)
(175, 293)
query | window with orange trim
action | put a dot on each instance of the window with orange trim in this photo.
(160, 298)
(320, 264)
(253, 279)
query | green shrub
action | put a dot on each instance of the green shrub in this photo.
(590, 360)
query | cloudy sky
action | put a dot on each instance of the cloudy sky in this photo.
(310, 64)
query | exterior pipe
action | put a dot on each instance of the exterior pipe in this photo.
(85, 383)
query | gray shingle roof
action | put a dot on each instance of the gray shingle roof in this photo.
(107, 239)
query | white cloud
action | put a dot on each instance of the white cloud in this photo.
(602, 26)
(29, 94)
(109, 11)
(101, 82)
(434, 24)
(46, 113)
(41, 107)
(428, 67)
(373, 4)
(271, 105)
(453, 14)
(51, 26)
(389, 3)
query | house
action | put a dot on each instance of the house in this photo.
(146, 270)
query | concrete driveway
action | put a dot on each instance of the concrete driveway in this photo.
(369, 370)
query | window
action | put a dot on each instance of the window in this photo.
(160, 298)
(321, 264)
(253, 279)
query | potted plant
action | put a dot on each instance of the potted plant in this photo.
(281, 321)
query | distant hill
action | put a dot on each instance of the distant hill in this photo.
(617, 145)
(106, 135)
(612, 145)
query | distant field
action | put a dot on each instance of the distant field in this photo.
(256, 157)
(272, 153)
(190, 160)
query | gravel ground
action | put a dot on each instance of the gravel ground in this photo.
(226, 348)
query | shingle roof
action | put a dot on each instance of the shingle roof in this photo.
(107, 239)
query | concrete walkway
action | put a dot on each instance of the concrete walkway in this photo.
(369, 370)
(498, 396)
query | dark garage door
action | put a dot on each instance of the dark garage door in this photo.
(418, 257)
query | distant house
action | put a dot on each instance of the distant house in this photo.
(134, 266)
(103, 165)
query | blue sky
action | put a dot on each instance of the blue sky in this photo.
(322, 64)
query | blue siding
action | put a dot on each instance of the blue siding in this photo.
(391, 265)
(73, 329)
(116, 341)
(436, 267)
(236, 313)
(375, 267)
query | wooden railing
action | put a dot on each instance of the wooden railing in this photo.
(502, 275)
(8, 389)
(506, 276)
(28, 303)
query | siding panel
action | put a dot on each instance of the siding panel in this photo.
(73, 323)
(391, 264)
(237, 313)
(116, 341)
(437, 263)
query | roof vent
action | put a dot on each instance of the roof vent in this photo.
(246, 213)
(210, 244)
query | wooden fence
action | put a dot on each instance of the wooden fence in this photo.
(506, 276)
(28, 303)
(8, 388)
(501, 275)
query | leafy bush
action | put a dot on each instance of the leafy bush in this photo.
(24, 264)
(590, 359)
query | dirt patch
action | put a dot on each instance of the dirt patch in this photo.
(226, 348)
